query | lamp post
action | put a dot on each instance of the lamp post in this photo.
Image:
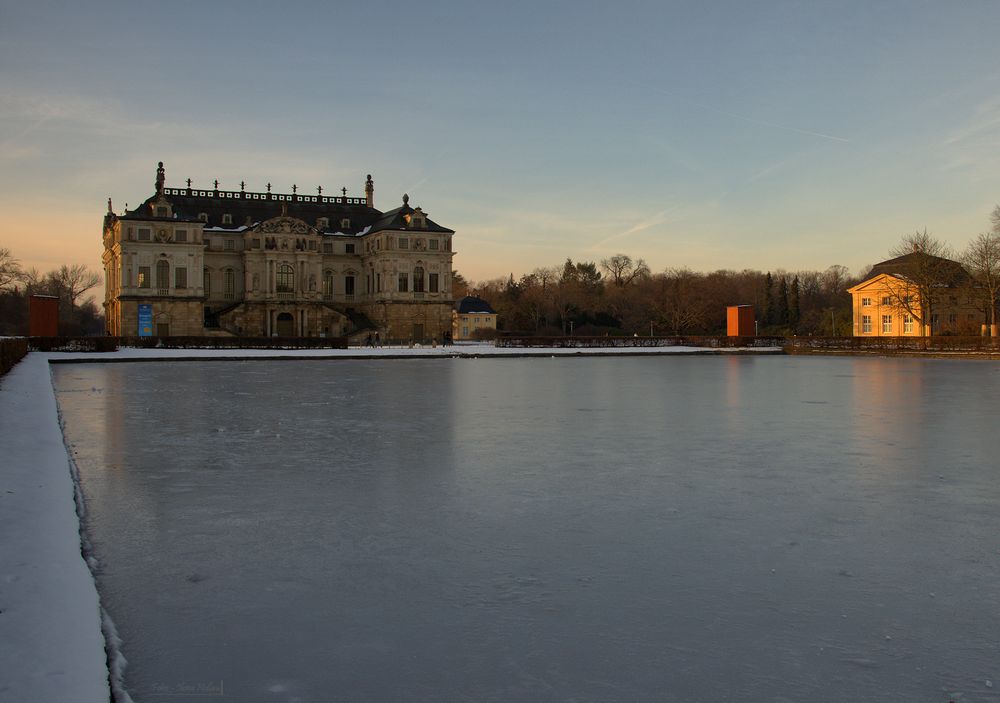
(570, 328)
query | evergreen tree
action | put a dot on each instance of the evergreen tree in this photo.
(781, 303)
(794, 309)
(767, 314)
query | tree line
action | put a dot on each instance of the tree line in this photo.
(621, 295)
(78, 315)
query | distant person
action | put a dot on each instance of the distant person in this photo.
(378, 339)
(368, 343)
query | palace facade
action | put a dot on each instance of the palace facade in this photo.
(193, 261)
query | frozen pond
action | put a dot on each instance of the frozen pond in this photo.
(590, 529)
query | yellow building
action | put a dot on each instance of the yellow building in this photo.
(915, 295)
(471, 315)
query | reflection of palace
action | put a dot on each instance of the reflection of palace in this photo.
(243, 263)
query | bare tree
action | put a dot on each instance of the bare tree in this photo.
(623, 270)
(10, 270)
(680, 301)
(919, 275)
(73, 281)
(982, 259)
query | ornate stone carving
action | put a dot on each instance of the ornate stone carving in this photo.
(285, 225)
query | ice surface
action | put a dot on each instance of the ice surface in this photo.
(671, 528)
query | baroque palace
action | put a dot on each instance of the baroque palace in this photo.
(190, 261)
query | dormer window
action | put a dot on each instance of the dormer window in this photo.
(418, 219)
(203, 216)
(345, 223)
(227, 219)
(323, 223)
(162, 211)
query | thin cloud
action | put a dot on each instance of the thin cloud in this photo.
(753, 120)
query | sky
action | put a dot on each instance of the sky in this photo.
(768, 135)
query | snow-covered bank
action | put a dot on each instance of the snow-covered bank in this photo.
(458, 350)
(52, 648)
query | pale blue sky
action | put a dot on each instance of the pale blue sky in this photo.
(709, 135)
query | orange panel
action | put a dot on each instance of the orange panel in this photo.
(43, 316)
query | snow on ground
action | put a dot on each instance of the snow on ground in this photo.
(458, 350)
(52, 647)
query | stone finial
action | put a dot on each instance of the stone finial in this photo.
(189, 184)
(268, 187)
(243, 186)
(110, 209)
(344, 191)
(216, 183)
(406, 199)
(319, 190)
(161, 177)
(370, 191)
(295, 189)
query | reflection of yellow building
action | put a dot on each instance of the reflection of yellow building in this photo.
(912, 296)
(473, 318)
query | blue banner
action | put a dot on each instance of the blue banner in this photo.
(145, 320)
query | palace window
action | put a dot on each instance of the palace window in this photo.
(418, 279)
(229, 245)
(433, 244)
(328, 284)
(207, 284)
(349, 248)
(887, 324)
(144, 234)
(227, 219)
(348, 285)
(404, 283)
(180, 235)
(345, 223)
(162, 274)
(161, 211)
(323, 223)
(433, 283)
(285, 279)
(887, 300)
(327, 247)
(144, 277)
(404, 243)
(180, 277)
(203, 216)
(229, 284)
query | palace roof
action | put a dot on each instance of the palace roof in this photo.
(343, 214)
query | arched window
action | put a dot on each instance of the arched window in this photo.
(286, 279)
(328, 284)
(162, 274)
(418, 279)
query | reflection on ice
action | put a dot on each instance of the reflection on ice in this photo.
(699, 528)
